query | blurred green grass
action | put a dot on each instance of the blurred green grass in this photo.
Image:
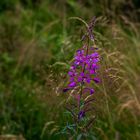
(37, 43)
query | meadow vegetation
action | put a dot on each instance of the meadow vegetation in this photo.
(38, 40)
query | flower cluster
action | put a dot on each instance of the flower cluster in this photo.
(84, 70)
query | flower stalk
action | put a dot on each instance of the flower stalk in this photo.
(82, 73)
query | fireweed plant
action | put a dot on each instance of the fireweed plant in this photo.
(83, 71)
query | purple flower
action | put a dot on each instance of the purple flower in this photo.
(85, 65)
(81, 114)
(71, 79)
(95, 54)
(83, 72)
(72, 84)
(84, 78)
(70, 73)
(90, 90)
(83, 69)
(96, 80)
(92, 71)
(73, 68)
(95, 60)
(65, 89)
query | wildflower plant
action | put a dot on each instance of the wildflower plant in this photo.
(82, 73)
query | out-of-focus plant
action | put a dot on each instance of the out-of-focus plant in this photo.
(83, 72)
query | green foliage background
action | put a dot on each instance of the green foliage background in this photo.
(38, 39)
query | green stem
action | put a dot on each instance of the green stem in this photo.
(81, 87)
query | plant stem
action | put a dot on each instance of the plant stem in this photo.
(81, 87)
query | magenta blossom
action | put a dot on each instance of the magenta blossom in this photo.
(84, 69)
(82, 73)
